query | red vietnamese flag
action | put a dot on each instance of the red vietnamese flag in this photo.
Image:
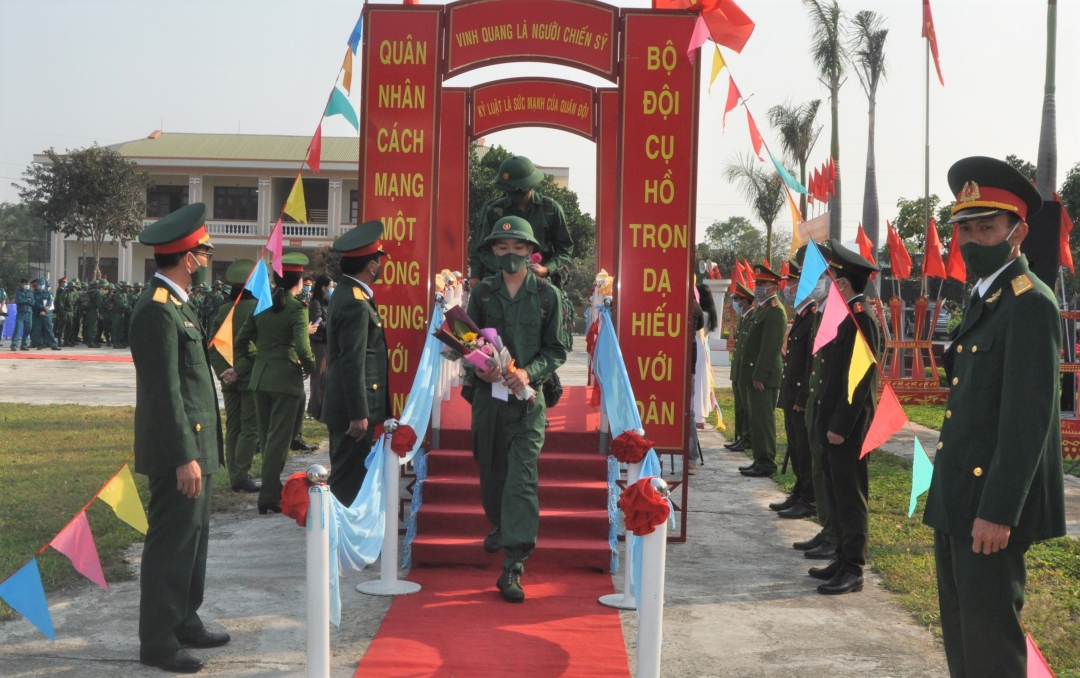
(1065, 257)
(832, 178)
(955, 266)
(748, 272)
(930, 34)
(933, 264)
(899, 258)
(866, 248)
(785, 269)
(728, 24)
(815, 185)
(733, 96)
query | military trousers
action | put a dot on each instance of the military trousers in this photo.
(507, 438)
(173, 570)
(241, 433)
(276, 413)
(825, 516)
(90, 329)
(798, 449)
(41, 334)
(347, 456)
(298, 419)
(61, 321)
(741, 424)
(23, 327)
(761, 408)
(847, 486)
(119, 331)
(980, 598)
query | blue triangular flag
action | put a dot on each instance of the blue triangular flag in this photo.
(790, 180)
(339, 105)
(259, 286)
(922, 472)
(813, 267)
(24, 593)
(357, 32)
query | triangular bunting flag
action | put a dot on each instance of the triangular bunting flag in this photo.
(295, 206)
(1037, 666)
(24, 593)
(728, 24)
(223, 340)
(346, 80)
(274, 245)
(339, 105)
(922, 472)
(798, 239)
(862, 359)
(889, 418)
(733, 97)
(787, 176)
(314, 150)
(813, 267)
(122, 495)
(77, 543)
(755, 135)
(717, 66)
(699, 37)
(259, 286)
(357, 34)
(835, 312)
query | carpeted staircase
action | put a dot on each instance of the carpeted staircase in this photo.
(573, 493)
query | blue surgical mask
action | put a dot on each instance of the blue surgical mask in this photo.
(307, 288)
(329, 291)
(26, 287)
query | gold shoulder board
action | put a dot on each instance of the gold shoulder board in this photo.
(774, 303)
(359, 294)
(161, 295)
(1021, 284)
(857, 307)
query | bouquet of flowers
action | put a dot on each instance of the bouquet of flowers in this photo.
(479, 348)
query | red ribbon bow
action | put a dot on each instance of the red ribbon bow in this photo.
(643, 508)
(630, 447)
(403, 439)
(294, 497)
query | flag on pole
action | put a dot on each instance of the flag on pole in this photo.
(1065, 250)
(697, 39)
(866, 248)
(933, 264)
(728, 24)
(274, 245)
(955, 267)
(25, 594)
(295, 206)
(832, 178)
(899, 257)
(930, 34)
(717, 66)
(888, 419)
(862, 359)
(122, 495)
(77, 543)
(314, 150)
(733, 96)
(339, 105)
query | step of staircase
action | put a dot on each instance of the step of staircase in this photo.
(555, 494)
(552, 466)
(469, 521)
(461, 439)
(436, 551)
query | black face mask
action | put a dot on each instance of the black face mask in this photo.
(517, 197)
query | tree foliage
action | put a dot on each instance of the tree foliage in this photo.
(798, 134)
(737, 238)
(22, 239)
(1022, 166)
(764, 191)
(90, 193)
(868, 56)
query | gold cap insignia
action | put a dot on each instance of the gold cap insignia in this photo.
(506, 175)
(506, 226)
(970, 192)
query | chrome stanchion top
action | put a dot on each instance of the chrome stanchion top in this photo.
(317, 474)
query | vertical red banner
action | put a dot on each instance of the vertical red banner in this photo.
(607, 177)
(657, 184)
(452, 224)
(399, 140)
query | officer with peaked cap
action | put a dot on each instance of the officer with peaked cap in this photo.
(842, 416)
(517, 178)
(742, 302)
(356, 395)
(997, 484)
(762, 368)
(177, 442)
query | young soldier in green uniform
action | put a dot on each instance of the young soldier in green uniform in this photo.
(62, 314)
(120, 313)
(516, 177)
(743, 303)
(997, 484)
(356, 397)
(840, 424)
(508, 433)
(761, 368)
(92, 318)
(241, 421)
(177, 443)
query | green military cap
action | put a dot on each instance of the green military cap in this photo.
(519, 173)
(293, 262)
(794, 271)
(204, 287)
(851, 263)
(239, 271)
(763, 273)
(511, 227)
(180, 231)
(986, 187)
(361, 240)
(743, 291)
(217, 283)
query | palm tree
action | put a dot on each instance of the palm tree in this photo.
(763, 190)
(868, 51)
(797, 135)
(1046, 175)
(831, 57)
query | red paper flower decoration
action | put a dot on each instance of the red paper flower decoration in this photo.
(294, 497)
(643, 508)
(403, 440)
(630, 447)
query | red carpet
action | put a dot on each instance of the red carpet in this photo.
(457, 626)
(54, 355)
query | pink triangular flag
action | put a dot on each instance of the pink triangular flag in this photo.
(755, 135)
(77, 543)
(1037, 667)
(274, 245)
(835, 312)
(889, 418)
(701, 34)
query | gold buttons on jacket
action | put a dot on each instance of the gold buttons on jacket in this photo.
(948, 414)
(977, 471)
(751, 364)
(198, 427)
(974, 349)
(375, 386)
(955, 381)
(959, 348)
(940, 445)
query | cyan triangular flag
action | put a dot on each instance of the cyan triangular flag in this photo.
(357, 32)
(24, 593)
(259, 286)
(813, 267)
(922, 471)
(339, 105)
(790, 180)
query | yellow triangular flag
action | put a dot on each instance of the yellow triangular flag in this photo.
(861, 360)
(295, 206)
(347, 80)
(797, 239)
(122, 495)
(223, 340)
(717, 65)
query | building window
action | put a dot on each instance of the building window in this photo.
(236, 202)
(164, 200)
(353, 200)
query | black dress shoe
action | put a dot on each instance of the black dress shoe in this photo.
(746, 468)
(739, 446)
(824, 551)
(798, 510)
(782, 505)
(177, 662)
(827, 572)
(206, 638)
(818, 540)
(843, 582)
(733, 443)
(269, 508)
(299, 445)
(493, 542)
(247, 485)
(756, 472)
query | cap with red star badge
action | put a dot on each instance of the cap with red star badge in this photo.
(986, 187)
(763, 273)
(180, 231)
(361, 240)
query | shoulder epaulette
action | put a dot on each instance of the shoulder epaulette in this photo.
(773, 303)
(857, 307)
(1021, 284)
(359, 294)
(161, 295)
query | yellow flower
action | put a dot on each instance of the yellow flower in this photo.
(469, 337)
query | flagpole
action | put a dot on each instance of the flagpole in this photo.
(926, 167)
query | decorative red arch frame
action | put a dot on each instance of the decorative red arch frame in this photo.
(414, 155)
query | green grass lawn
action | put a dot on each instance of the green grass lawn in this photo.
(901, 551)
(53, 460)
(930, 416)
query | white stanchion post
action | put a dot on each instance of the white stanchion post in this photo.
(624, 600)
(650, 633)
(318, 575)
(388, 584)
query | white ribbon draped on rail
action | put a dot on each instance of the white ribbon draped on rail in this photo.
(356, 532)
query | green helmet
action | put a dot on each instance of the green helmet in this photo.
(512, 227)
(517, 173)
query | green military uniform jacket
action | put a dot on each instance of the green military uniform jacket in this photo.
(999, 454)
(357, 360)
(549, 227)
(120, 304)
(282, 353)
(739, 352)
(244, 309)
(833, 412)
(761, 360)
(176, 406)
(795, 390)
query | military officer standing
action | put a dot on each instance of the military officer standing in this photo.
(90, 322)
(742, 302)
(62, 317)
(761, 369)
(841, 422)
(121, 312)
(356, 397)
(997, 484)
(177, 442)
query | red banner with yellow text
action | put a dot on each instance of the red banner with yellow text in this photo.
(536, 102)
